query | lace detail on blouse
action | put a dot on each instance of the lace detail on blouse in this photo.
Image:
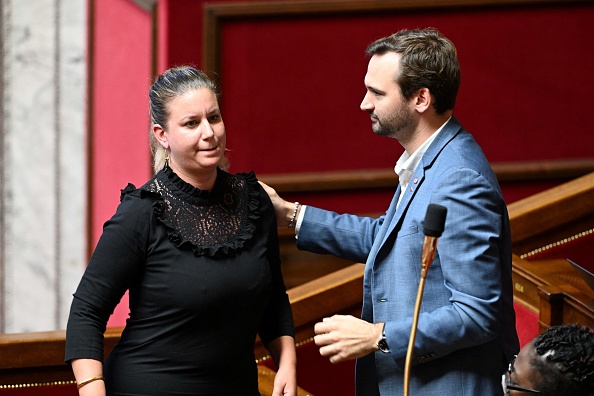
(212, 222)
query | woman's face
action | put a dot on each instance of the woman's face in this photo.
(521, 373)
(194, 135)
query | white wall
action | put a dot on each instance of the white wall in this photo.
(42, 161)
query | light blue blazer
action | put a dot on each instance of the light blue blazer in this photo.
(466, 330)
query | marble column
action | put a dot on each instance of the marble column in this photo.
(42, 161)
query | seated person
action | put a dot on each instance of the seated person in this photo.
(560, 361)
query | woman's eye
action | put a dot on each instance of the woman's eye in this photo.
(214, 118)
(191, 124)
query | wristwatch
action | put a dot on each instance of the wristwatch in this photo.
(382, 344)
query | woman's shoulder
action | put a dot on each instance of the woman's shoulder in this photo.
(249, 177)
(138, 201)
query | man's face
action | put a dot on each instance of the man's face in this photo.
(391, 114)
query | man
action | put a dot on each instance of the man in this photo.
(466, 329)
(560, 361)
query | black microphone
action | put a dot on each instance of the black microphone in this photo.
(432, 228)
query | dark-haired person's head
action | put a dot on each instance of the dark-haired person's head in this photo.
(560, 361)
(427, 60)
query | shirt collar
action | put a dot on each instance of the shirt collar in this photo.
(406, 164)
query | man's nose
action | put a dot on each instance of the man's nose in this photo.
(366, 104)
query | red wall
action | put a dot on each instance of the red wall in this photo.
(121, 56)
(292, 87)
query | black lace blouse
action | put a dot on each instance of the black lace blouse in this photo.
(203, 273)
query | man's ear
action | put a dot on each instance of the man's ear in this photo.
(423, 100)
(160, 135)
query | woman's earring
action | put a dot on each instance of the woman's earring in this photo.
(166, 159)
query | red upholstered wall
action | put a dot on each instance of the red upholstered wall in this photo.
(121, 74)
(292, 86)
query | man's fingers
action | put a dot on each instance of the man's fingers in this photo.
(323, 339)
(323, 326)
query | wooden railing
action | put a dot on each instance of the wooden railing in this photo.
(38, 358)
(365, 179)
(552, 215)
(546, 221)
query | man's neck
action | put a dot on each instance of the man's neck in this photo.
(426, 127)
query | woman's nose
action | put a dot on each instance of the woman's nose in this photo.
(207, 130)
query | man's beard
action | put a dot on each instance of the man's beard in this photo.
(399, 125)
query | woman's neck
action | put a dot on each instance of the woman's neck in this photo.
(203, 181)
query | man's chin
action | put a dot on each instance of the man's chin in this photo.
(380, 131)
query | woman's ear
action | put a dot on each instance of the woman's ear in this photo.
(160, 135)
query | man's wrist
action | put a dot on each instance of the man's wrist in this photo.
(382, 343)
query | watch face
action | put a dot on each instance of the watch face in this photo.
(383, 346)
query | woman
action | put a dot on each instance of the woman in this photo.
(560, 361)
(197, 249)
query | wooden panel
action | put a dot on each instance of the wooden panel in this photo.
(565, 304)
(554, 290)
(552, 287)
(554, 214)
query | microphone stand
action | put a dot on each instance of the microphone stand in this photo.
(425, 264)
(432, 227)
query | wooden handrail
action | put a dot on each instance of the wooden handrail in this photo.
(552, 215)
(365, 179)
(39, 357)
(339, 292)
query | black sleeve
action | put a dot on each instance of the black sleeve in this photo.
(116, 264)
(278, 316)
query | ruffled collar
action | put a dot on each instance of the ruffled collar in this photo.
(212, 223)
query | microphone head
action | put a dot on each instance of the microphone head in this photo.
(434, 220)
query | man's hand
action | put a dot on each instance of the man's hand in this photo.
(344, 337)
(283, 209)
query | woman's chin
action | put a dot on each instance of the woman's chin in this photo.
(210, 163)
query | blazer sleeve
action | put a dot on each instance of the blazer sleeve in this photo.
(343, 235)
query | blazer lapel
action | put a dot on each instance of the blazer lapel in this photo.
(448, 132)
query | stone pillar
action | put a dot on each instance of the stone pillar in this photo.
(42, 161)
